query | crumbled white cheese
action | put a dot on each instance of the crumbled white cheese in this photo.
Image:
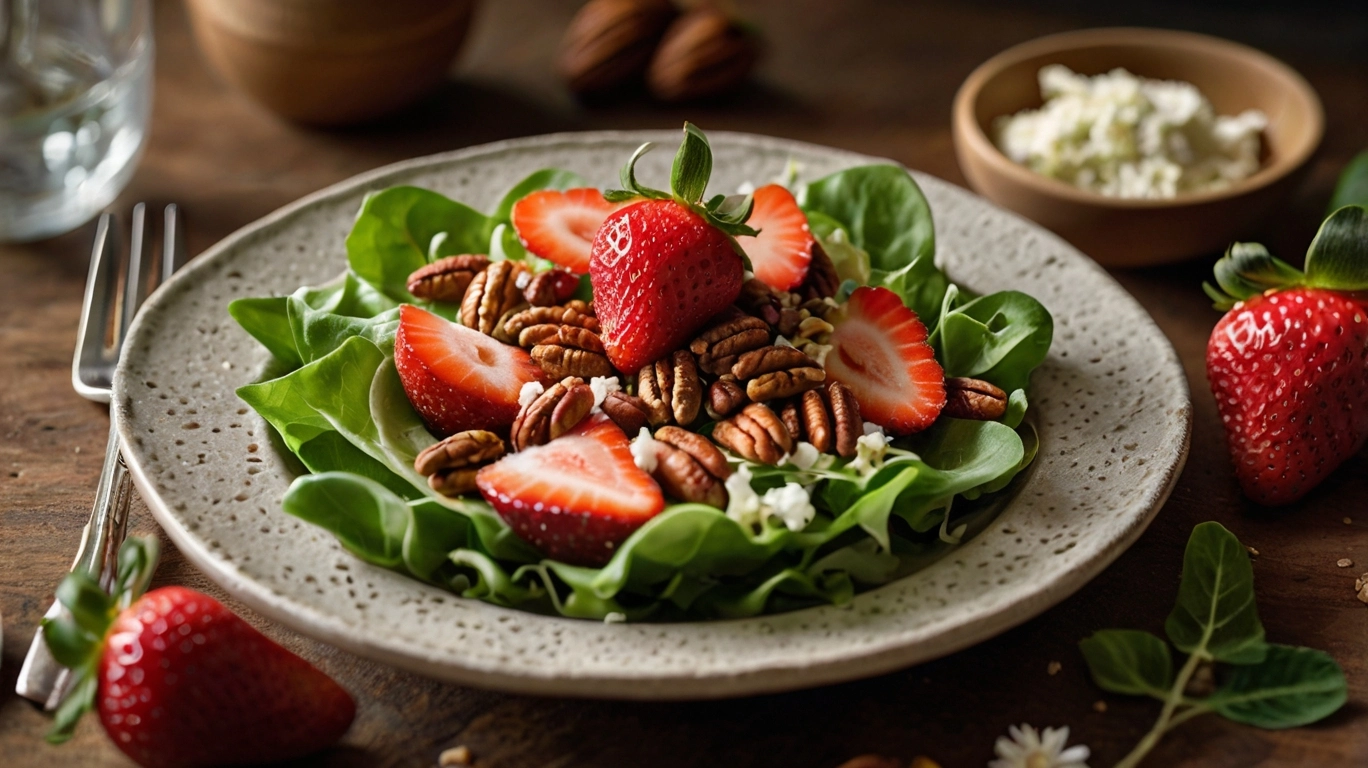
(743, 503)
(529, 392)
(790, 504)
(870, 449)
(804, 456)
(745, 188)
(1126, 136)
(602, 387)
(644, 450)
(613, 617)
(870, 428)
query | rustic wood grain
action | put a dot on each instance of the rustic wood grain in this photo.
(875, 77)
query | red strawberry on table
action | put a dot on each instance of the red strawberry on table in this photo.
(458, 378)
(179, 680)
(560, 226)
(578, 497)
(660, 268)
(780, 254)
(1288, 364)
(879, 350)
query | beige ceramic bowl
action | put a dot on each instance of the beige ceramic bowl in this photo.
(1124, 233)
(331, 62)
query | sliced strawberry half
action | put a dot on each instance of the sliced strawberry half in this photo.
(578, 497)
(458, 378)
(879, 350)
(560, 226)
(780, 254)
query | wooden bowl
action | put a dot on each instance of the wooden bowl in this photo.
(1134, 232)
(331, 62)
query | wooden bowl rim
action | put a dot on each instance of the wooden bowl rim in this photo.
(971, 131)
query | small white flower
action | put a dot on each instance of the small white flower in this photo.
(743, 503)
(790, 504)
(602, 387)
(644, 450)
(1028, 748)
(529, 392)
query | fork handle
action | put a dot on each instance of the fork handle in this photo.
(97, 555)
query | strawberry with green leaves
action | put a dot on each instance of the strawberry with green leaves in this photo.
(663, 266)
(180, 681)
(1288, 364)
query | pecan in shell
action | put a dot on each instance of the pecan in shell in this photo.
(451, 464)
(492, 295)
(690, 468)
(553, 413)
(973, 399)
(718, 347)
(448, 278)
(774, 372)
(757, 433)
(704, 52)
(609, 43)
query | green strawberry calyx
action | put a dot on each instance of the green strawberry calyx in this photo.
(1337, 260)
(76, 638)
(688, 182)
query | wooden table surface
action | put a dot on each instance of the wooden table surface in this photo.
(876, 77)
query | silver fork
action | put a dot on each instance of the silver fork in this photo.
(42, 678)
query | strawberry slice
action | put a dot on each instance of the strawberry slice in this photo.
(458, 378)
(576, 498)
(879, 350)
(780, 254)
(560, 226)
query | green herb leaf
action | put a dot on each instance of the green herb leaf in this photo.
(1129, 661)
(1215, 616)
(1248, 269)
(1338, 256)
(396, 228)
(692, 166)
(1352, 188)
(1290, 687)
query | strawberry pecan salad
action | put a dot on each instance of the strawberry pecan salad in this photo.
(642, 404)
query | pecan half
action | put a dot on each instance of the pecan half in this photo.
(565, 335)
(757, 433)
(627, 411)
(846, 421)
(775, 372)
(760, 300)
(451, 464)
(555, 412)
(821, 280)
(973, 399)
(690, 468)
(574, 313)
(492, 295)
(718, 347)
(671, 389)
(560, 360)
(549, 288)
(725, 397)
(446, 279)
(792, 418)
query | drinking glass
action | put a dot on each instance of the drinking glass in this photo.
(75, 94)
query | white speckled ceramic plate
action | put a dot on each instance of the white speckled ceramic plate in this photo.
(1111, 405)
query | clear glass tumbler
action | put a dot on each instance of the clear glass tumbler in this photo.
(75, 95)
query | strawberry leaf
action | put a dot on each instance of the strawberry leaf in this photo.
(1352, 188)
(1338, 257)
(1247, 270)
(692, 166)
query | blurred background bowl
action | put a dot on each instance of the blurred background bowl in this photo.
(1136, 232)
(331, 62)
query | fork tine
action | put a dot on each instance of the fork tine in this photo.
(135, 288)
(96, 307)
(173, 242)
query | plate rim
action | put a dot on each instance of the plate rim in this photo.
(757, 679)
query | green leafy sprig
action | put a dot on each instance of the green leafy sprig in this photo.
(1337, 260)
(1215, 621)
(77, 637)
(688, 182)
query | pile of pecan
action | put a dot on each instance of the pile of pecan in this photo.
(756, 371)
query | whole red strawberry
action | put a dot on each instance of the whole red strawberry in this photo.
(179, 680)
(1288, 364)
(662, 267)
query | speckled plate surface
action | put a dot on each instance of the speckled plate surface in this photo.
(1111, 405)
